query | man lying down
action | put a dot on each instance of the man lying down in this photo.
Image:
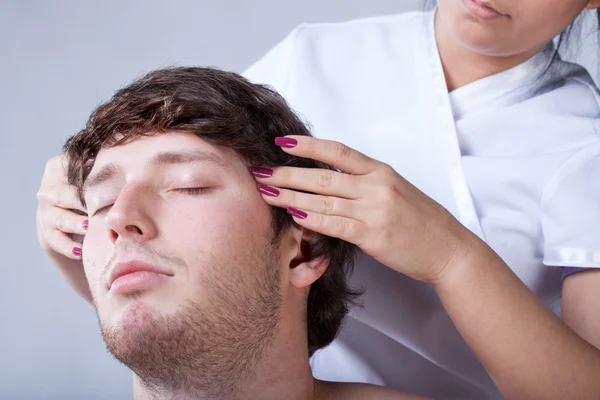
(202, 289)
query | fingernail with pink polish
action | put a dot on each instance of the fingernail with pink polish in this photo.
(268, 190)
(262, 172)
(85, 224)
(77, 251)
(286, 142)
(297, 213)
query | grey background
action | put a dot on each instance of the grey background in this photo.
(58, 60)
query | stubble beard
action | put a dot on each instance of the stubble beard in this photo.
(210, 348)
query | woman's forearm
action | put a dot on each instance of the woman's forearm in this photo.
(528, 351)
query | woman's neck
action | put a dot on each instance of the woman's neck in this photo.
(463, 66)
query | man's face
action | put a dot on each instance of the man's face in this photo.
(179, 252)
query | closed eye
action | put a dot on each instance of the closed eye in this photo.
(190, 191)
(194, 190)
(102, 210)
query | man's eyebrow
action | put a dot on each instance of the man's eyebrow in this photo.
(184, 157)
(108, 171)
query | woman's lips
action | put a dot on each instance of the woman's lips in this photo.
(481, 10)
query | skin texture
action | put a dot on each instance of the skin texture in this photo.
(204, 330)
(472, 48)
(228, 317)
(527, 350)
(579, 305)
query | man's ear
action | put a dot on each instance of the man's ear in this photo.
(593, 5)
(305, 269)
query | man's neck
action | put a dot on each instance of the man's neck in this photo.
(283, 372)
(293, 387)
(463, 66)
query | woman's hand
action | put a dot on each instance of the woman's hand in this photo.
(60, 219)
(367, 204)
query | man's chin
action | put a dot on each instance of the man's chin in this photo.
(135, 316)
(135, 328)
(160, 348)
(130, 316)
(126, 307)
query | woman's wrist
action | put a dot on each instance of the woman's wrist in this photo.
(470, 254)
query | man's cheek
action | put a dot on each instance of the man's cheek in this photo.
(248, 213)
(212, 223)
(93, 274)
(94, 259)
(94, 238)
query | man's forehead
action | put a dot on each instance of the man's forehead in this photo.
(162, 149)
(144, 148)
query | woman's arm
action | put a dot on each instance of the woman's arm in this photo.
(526, 349)
(581, 304)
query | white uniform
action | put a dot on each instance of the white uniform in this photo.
(515, 157)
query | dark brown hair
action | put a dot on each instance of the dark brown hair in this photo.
(223, 109)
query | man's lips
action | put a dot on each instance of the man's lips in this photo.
(135, 275)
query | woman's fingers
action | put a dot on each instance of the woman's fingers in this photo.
(333, 153)
(314, 180)
(65, 197)
(55, 190)
(62, 223)
(347, 229)
(62, 243)
(329, 216)
(327, 205)
(67, 221)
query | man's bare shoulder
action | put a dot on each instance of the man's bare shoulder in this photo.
(361, 391)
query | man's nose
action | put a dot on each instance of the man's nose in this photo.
(131, 215)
